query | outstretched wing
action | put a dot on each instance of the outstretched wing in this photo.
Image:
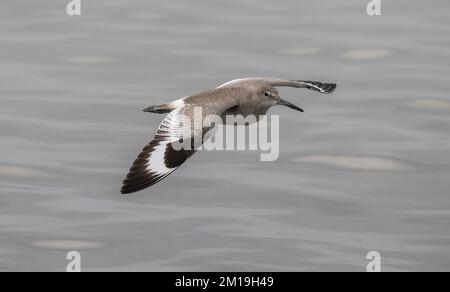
(164, 154)
(321, 87)
(160, 158)
(325, 88)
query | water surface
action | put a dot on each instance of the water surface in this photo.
(366, 168)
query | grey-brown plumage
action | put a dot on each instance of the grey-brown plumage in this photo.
(248, 96)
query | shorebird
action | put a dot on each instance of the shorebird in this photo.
(247, 96)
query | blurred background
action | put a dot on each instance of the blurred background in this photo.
(366, 168)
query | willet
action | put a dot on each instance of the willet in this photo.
(247, 96)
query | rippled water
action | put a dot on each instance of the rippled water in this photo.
(366, 168)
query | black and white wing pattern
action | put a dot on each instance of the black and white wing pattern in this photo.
(325, 88)
(179, 136)
(160, 157)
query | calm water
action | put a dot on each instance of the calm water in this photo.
(366, 168)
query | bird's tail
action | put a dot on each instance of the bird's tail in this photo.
(158, 109)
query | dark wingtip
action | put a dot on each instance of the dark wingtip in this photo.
(325, 88)
(125, 190)
(328, 87)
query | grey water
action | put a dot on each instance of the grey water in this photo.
(364, 169)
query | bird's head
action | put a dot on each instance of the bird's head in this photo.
(268, 96)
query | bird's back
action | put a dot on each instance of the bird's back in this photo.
(217, 100)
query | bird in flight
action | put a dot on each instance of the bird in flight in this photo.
(247, 96)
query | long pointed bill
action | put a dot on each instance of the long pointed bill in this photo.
(288, 104)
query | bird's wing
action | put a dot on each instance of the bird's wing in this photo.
(321, 87)
(164, 154)
(159, 159)
(246, 81)
(325, 88)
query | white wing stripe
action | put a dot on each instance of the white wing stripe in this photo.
(156, 160)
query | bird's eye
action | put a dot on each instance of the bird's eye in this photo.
(266, 93)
